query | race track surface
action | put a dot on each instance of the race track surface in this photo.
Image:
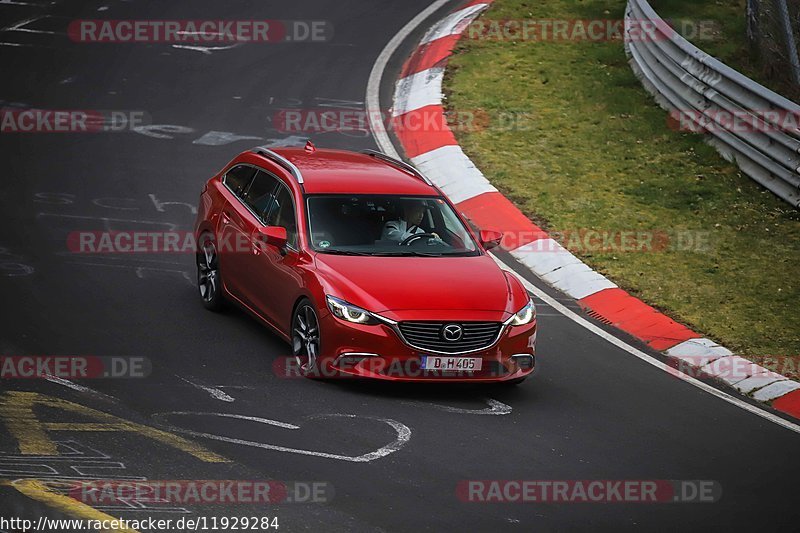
(591, 412)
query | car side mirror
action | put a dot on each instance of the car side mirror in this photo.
(274, 236)
(491, 238)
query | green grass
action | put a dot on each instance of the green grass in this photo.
(596, 152)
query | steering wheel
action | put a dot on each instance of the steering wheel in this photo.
(414, 238)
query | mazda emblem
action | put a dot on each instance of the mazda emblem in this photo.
(452, 332)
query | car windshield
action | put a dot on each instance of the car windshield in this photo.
(384, 225)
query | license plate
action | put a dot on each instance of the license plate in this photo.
(452, 364)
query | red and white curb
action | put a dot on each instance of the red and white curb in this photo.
(440, 158)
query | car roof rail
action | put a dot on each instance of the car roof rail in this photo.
(282, 161)
(397, 163)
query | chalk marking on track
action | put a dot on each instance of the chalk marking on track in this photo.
(403, 435)
(207, 50)
(495, 408)
(214, 392)
(80, 388)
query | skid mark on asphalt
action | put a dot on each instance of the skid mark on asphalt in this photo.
(403, 434)
(215, 393)
(495, 408)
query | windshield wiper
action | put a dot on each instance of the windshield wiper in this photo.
(341, 252)
(408, 253)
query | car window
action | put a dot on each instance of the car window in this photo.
(238, 178)
(283, 215)
(387, 225)
(259, 196)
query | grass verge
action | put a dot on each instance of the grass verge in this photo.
(592, 150)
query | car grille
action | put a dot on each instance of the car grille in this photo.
(428, 336)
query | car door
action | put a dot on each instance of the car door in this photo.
(239, 221)
(230, 226)
(278, 283)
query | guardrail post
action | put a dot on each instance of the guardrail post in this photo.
(753, 30)
(788, 38)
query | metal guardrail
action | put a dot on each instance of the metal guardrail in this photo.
(687, 81)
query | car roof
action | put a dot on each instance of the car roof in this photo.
(327, 171)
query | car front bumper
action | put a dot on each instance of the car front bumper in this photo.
(378, 352)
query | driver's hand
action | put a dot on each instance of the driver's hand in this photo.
(435, 239)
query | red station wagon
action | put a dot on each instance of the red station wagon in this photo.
(363, 266)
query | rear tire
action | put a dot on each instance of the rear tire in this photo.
(209, 281)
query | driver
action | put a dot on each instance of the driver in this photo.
(413, 211)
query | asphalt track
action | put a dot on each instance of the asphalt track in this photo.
(592, 411)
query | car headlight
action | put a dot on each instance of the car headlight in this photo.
(349, 312)
(524, 315)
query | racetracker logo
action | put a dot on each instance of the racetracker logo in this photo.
(350, 366)
(73, 367)
(722, 120)
(13, 120)
(597, 241)
(590, 30)
(735, 369)
(200, 31)
(588, 491)
(429, 119)
(199, 492)
(159, 242)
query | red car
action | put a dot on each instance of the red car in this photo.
(363, 266)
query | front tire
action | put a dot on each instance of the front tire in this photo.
(306, 338)
(209, 281)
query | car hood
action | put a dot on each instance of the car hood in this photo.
(382, 284)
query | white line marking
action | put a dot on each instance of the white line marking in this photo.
(18, 26)
(375, 77)
(495, 408)
(242, 417)
(647, 358)
(80, 388)
(19, 23)
(214, 392)
(206, 49)
(403, 435)
(67, 383)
